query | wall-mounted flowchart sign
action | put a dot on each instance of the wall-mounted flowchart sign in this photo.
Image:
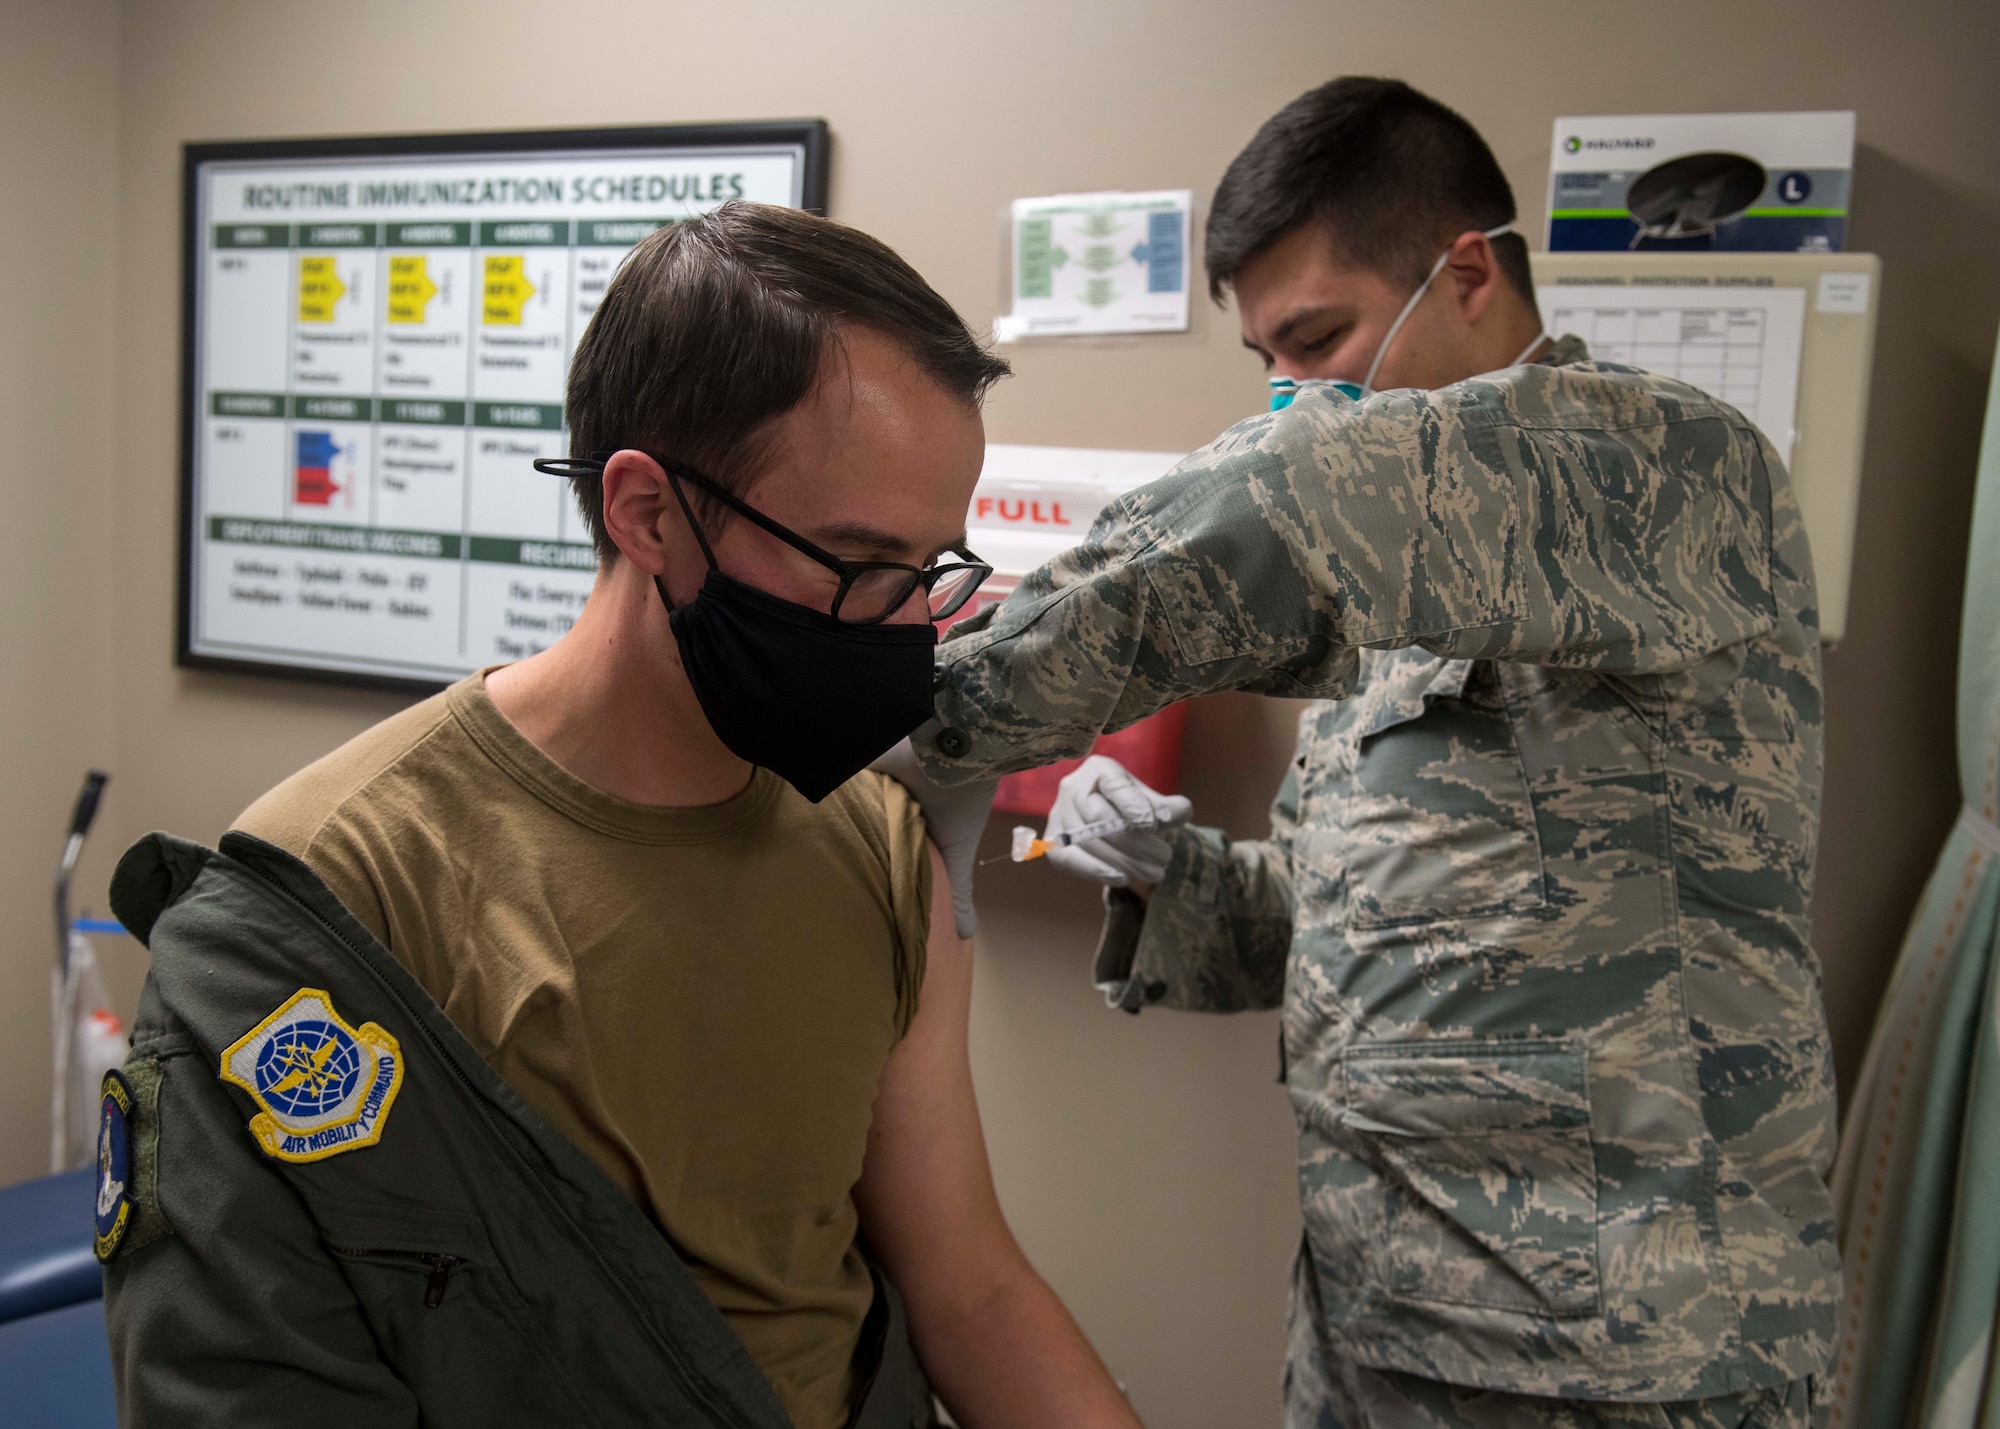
(1098, 263)
(377, 337)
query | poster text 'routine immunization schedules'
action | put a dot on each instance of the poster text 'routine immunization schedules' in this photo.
(378, 354)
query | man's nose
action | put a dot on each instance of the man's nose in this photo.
(915, 609)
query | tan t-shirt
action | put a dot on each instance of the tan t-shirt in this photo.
(701, 999)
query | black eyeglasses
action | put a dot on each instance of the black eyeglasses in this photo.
(870, 591)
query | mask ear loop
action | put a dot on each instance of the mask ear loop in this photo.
(1382, 351)
(687, 510)
(701, 538)
(594, 464)
(1534, 342)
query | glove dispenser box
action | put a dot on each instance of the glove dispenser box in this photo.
(1031, 505)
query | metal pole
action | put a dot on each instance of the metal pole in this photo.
(62, 998)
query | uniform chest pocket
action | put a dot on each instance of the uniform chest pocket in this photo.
(447, 1315)
(1437, 821)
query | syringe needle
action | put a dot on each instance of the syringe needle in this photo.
(1028, 845)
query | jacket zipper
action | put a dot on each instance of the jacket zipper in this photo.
(439, 1264)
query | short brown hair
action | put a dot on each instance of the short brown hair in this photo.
(714, 327)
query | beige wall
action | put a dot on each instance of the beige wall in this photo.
(57, 251)
(1145, 1162)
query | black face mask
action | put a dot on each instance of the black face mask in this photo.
(809, 695)
(792, 689)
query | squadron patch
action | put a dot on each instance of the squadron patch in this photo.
(114, 1166)
(324, 1087)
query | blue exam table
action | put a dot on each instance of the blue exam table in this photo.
(55, 1369)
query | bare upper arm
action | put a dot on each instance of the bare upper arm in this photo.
(944, 1008)
(926, 1194)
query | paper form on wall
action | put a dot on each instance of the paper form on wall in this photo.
(1098, 263)
(1742, 345)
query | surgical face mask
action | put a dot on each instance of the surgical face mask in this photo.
(1283, 389)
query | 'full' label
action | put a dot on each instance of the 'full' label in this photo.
(1018, 511)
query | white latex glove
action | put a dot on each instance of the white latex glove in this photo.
(1102, 788)
(956, 816)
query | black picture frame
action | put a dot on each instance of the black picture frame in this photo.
(811, 137)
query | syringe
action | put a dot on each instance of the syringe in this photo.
(1028, 844)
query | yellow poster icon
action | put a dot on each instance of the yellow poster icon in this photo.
(320, 287)
(410, 287)
(507, 289)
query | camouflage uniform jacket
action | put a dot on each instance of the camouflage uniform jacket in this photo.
(1535, 899)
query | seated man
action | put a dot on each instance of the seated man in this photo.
(628, 898)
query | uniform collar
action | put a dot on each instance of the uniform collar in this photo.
(1569, 348)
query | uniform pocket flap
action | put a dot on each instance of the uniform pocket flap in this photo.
(1489, 1175)
(1403, 687)
(1465, 1088)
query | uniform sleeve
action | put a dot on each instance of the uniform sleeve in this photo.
(237, 1314)
(1469, 521)
(1216, 932)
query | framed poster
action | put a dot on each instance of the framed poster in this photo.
(376, 336)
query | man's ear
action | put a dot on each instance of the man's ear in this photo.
(1473, 271)
(640, 513)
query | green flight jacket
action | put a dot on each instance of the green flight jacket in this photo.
(469, 1267)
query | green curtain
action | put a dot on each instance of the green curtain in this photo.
(1918, 1179)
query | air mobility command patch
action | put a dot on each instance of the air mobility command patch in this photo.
(114, 1166)
(324, 1087)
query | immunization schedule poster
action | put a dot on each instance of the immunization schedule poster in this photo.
(377, 350)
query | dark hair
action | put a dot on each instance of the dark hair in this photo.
(714, 327)
(1392, 175)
